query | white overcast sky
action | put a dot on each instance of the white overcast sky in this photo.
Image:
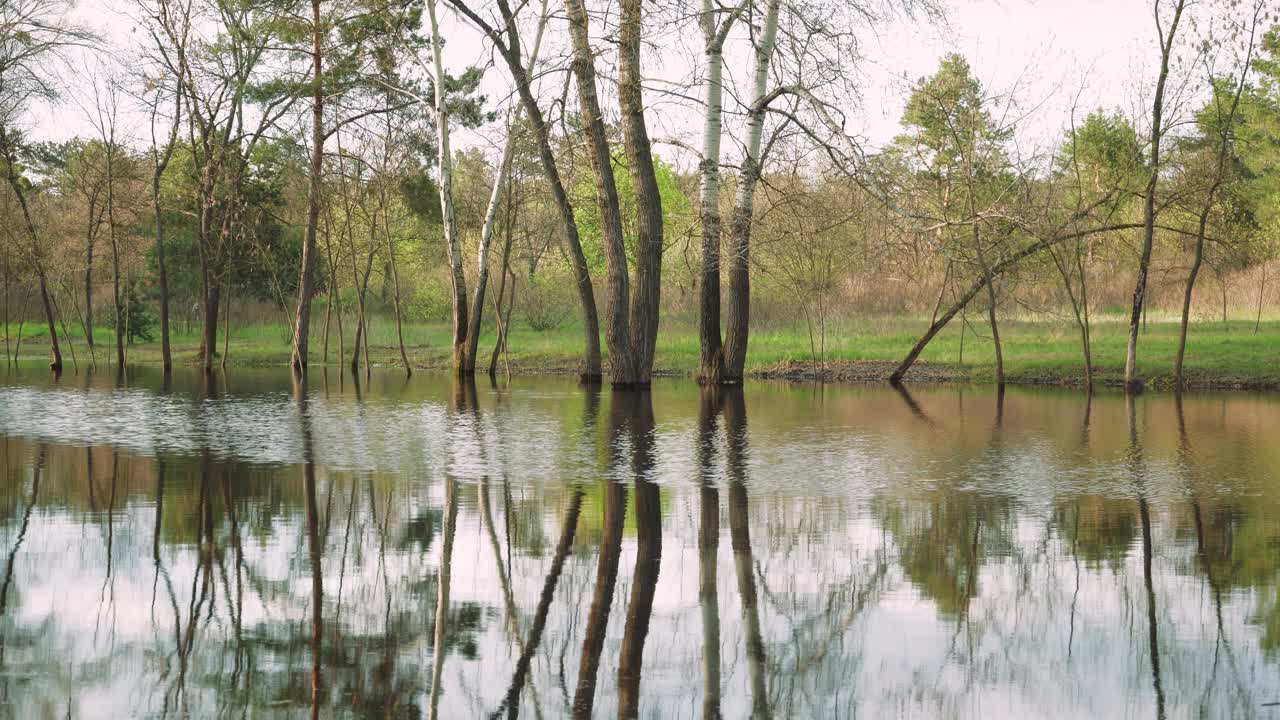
(1048, 49)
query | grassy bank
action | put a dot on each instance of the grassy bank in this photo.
(1218, 354)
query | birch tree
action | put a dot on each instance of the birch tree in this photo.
(715, 31)
(738, 311)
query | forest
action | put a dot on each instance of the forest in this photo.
(624, 190)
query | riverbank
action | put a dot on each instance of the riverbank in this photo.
(1219, 355)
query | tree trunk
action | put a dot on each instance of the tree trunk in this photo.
(166, 354)
(336, 297)
(1257, 324)
(208, 288)
(7, 150)
(395, 289)
(161, 163)
(226, 325)
(306, 276)
(115, 255)
(444, 160)
(7, 360)
(1131, 379)
(209, 333)
(362, 321)
(710, 348)
(646, 292)
(738, 311)
(91, 235)
(617, 320)
(503, 320)
(1224, 144)
(482, 254)
(508, 43)
(991, 310)
(328, 296)
(1178, 378)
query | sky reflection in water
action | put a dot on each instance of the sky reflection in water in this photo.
(545, 549)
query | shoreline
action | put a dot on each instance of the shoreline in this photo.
(832, 372)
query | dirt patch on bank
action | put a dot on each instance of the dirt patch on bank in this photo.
(878, 371)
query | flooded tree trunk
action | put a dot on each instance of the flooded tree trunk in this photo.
(622, 361)
(738, 297)
(503, 317)
(395, 289)
(22, 321)
(116, 297)
(7, 359)
(328, 298)
(991, 313)
(646, 291)
(482, 254)
(226, 326)
(306, 275)
(444, 168)
(15, 183)
(710, 348)
(507, 41)
(209, 330)
(87, 323)
(161, 159)
(62, 320)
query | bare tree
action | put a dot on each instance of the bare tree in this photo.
(508, 44)
(34, 36)
(1223, 125)
(168, 25)
(1166, 37)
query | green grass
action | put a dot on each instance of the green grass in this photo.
(1222, 354)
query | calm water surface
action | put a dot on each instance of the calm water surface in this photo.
(253, 549)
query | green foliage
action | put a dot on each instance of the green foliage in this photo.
(676, 209)
(546, 301)
(430, 301)
(948, 115)
(139, 321)
(1106, 153)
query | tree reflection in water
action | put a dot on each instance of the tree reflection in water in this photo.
(419, 549)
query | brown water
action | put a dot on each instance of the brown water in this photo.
(421, 549)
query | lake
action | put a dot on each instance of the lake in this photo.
(248, 547)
